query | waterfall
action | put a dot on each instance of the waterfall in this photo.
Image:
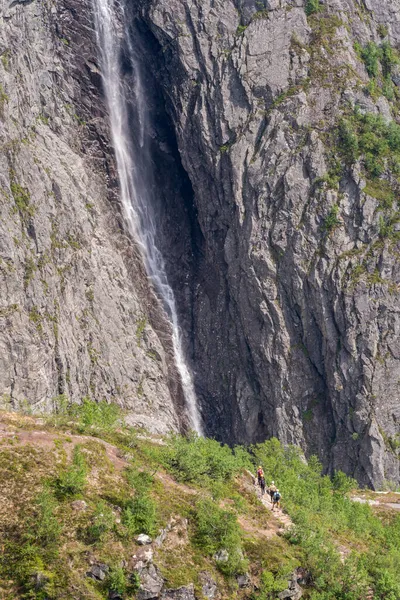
(134, 170)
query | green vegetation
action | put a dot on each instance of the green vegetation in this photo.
(140, 328)
(332, 221)
(22, 198)
(29, 271)
(201, 489)
(371, 138)
(379, 62)
(3, 100)
(241, 29)
(72, 480)
(312, 7)
(5, 59)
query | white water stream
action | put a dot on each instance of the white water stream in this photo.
(134, 180)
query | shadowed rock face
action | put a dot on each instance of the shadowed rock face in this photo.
(287, 287)
(294, 320)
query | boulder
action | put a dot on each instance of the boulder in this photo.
(98, 571)
(221, 556)
(185, 592)
(79, 505)
(141, 558)
(151, 583)
(209, 587)
(143, 539)
(243, 580)
(293, 591)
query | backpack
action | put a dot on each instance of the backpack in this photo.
(277, 497)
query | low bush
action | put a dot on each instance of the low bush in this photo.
(72, 480)
(140, 513)
(312, 7)
(195, 459)
(103, 521)
(217, 530)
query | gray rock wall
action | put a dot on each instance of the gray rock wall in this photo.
(292, 324)
(295, 324)
(77, 315)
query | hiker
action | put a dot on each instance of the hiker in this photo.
(262, 485)
(272, 490)
(276, 500)
(260, 474)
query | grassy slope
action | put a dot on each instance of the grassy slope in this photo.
(132, 484)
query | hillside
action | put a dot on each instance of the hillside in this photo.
(80, 487)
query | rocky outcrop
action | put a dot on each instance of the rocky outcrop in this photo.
(77, 314)
(295, 288)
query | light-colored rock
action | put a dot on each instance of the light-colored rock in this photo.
(77, 314)
(151, 583)
(79, 505)
(143, 539)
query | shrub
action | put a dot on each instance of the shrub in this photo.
(217, 529)
(195, 458)
(348, 141)
(312, 6)
(102, 522)
(72, 481)
(371, 55)
(140, 513)
(46, 528)
(117, 581)
(342, 483)
(100, 415)
(389, 58)
(332, 221)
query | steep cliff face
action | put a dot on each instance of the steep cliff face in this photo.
(77, 315)
(296, 279)
(277, 174)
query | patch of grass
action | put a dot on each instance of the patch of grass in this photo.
(3, 101)
(217, 530)
(5, 59)
(312, 7)
(8, 311)
(140, 328)
(36, 318)
(370, 137)
(241, 29)
(102, 523)
(332, 221)
(381, 190)
(29, 271)
(22, 198)
(72, 480)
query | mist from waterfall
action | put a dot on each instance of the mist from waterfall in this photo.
(134, 168)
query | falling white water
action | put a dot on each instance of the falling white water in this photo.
(134, 181)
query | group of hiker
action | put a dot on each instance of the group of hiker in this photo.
(272, 490)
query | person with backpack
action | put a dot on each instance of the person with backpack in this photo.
(260, 474)
(276, 500)
(272, 490)
(262, 486)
